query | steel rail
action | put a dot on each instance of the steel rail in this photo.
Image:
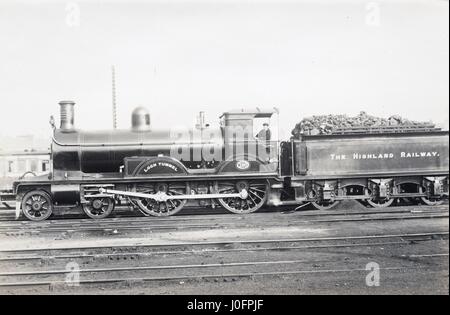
(234, 242)
(210, 250)
(209, 217)
(208, 225)
(147, 268)
(200, 277)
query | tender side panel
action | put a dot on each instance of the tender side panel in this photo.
(343, 156)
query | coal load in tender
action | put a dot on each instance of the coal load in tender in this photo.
(327, 124)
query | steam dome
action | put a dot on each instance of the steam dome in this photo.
(140, 119)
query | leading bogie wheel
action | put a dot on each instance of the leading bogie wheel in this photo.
(99, 208)
(37, 205)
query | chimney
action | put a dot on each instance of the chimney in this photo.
(67, 115)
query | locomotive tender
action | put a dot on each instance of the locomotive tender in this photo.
(159, 171)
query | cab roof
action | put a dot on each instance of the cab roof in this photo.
(255, 112)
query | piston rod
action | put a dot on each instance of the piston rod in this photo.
(163, 197)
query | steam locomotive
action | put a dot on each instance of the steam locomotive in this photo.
(158, 172)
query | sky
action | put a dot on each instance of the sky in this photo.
(180, 57)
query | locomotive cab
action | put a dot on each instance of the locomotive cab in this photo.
(240, 130)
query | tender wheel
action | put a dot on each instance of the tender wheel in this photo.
(319, 203)
(380, 202)
(325, 205)
(160, 209)
(432, 201)
(257, 195)
(376, 201)
(37, 205)
(99, 208)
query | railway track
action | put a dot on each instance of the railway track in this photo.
(215, 221)
(123, 214)
(206, 261)
(215, 277)
(221, 246)
(125, 211)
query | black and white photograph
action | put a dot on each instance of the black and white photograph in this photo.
(223, 151)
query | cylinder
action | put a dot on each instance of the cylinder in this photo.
(67, 115)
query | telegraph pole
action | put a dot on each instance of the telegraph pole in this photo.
(114, 105)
